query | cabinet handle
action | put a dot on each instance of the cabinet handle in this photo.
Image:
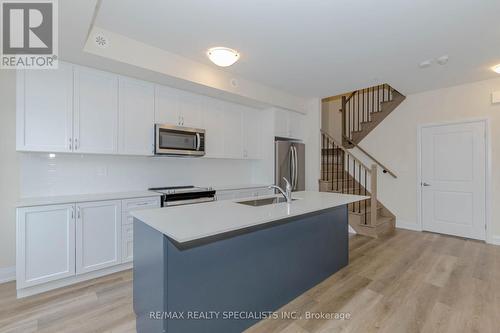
(78, 212)
(76, 143)
(70, 144)
(72, 213)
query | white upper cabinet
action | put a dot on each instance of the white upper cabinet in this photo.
(95, 111)
(190, 109)
(213, 123)
(166, 106)
(45, 244)
(296, 124)
(252, 134)
(75, 109)
(177, 107)
(45, 110)
(136, 117)
(233, 136)
(288, 124)
(98, 235)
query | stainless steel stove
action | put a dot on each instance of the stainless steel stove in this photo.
(183, 195)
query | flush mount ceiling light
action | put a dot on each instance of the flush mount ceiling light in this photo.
(496, 69)
(223, 56)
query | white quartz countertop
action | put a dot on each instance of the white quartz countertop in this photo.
(65, 199)
(192, 222)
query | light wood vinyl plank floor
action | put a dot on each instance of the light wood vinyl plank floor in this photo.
(408, 282)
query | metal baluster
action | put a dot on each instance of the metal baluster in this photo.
(348, 119)
(359, 188)
(365, 195)
(354, 184)
(337, 169)
(348, 175)
(323, 155)
(373, 99)
(378, 98)
(330, 167)
(343, 168)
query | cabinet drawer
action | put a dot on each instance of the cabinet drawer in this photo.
(129, 205)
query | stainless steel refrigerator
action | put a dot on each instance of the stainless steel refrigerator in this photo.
(289, 162)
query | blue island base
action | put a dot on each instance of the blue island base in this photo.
(228, 283)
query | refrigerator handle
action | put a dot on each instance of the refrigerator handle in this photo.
(292, 166)
(296, 168)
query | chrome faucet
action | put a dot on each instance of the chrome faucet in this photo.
(287, 194)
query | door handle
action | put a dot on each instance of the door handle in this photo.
(425, 184)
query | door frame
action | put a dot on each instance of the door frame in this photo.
(487, 129)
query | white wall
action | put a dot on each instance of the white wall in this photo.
(331, 117)
(394, 142)
(9, 174)
(312, 139)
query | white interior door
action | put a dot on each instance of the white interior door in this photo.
(453, 161)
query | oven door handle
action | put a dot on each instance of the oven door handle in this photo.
(198, 141)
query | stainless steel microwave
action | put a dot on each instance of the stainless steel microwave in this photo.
(179, 141)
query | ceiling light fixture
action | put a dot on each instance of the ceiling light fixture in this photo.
(496, 69)
(223, 56)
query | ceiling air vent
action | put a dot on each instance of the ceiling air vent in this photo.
(101, 40)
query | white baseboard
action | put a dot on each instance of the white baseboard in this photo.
(7, 274)
(401, 224)
(494, 240)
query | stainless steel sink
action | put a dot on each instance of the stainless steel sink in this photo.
(263, 202)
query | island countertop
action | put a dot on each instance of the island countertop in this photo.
(192, 222)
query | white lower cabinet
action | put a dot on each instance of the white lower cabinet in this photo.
(128, 223)
(58, 242)
(98, 235)
(45, 244)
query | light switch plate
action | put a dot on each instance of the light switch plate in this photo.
(495, 97)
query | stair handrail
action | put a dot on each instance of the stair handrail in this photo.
(384, 168)
(345, 149)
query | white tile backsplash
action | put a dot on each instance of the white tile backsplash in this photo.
(80, 174)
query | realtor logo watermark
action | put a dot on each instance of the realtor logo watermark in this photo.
(29, 37)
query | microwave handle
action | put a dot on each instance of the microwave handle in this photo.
(198, 141)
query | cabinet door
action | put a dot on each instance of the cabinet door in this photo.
(213, 122)
(189, 109)
(233, 138)
(136, 114)
(252, 134)
(296, 125)
(281, 123)
(167, 106)
(96, 111)
(45, 244)
(45, 109)
(98, 235)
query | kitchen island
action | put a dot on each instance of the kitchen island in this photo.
(222, 266)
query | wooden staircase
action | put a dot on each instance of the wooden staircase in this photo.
(364, 109)
(343, 173)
